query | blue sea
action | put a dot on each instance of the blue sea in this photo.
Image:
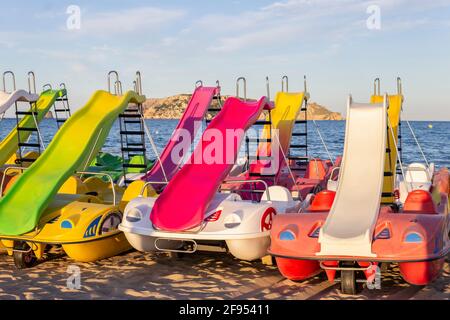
(434, 138)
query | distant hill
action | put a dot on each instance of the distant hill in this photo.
(174, 106)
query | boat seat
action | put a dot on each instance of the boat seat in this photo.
(323, 201)
(420, 201)
(316, 169)
(417, 177)
(333, 181)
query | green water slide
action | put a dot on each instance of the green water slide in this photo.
(72, 149)
(9, 145)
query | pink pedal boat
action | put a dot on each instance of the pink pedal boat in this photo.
(353, 231)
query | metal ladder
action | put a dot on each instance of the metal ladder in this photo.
(300, 132)
(389, 148)
(62, 111)
(257, 140)
(212, 110)
(32, 111)
(132, 134)
(400, 133)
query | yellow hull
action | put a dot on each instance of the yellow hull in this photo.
(77, 223)
(97, 249)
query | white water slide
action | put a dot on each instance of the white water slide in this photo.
(348, 230)
(8, 99)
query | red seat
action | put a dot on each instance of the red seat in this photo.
(323, 201)
(419, 201)
(316, 169)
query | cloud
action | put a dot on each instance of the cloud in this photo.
(332, 21)
(129, 20)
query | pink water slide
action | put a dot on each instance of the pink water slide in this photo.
(182, 205)
(193, 115)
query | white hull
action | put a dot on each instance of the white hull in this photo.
(243, 225)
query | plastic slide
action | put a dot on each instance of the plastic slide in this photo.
(394, 112)
(194, 113)
(73, 148)
(8, 99)
(348, 229)
(9, 145)
(184, 202)
(284, 115)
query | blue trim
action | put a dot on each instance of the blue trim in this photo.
(66, 224)
(384, 234)
(91, 230)
(287, 236)
(316, 233)
(413, 237)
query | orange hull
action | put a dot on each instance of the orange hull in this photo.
(418, 241)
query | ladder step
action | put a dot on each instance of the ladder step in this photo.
(214, 110)
(299, 146)
(26, 113)
(260, 158)
(30, 145)
(128, 149)
(257, 140)
(26, 160)
(61, 120)
(301, 122)
(128, 181)
(123, 115)
(61, 110)
(135, 166)
(27, 129)
(388, 174)
(132, 133)
(62, 99)
(303, 109)
(252, 174)
(217, 98)
(262, 123)
(387, 194)
(299, 134)
(299, 158)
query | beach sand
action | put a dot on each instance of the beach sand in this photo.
(200, 276)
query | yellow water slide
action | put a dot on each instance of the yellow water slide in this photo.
(394, 118)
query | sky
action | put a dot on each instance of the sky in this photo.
(340, 45)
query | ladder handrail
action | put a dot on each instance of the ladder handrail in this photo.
(13, 77)
(47, 85)
(31, 82)
(118, 88)
(399, 86)
(244, 81)
(377, 87)
(138, 81)
(198, 84)
(285, 82)
(268, 88)
(113, 72)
